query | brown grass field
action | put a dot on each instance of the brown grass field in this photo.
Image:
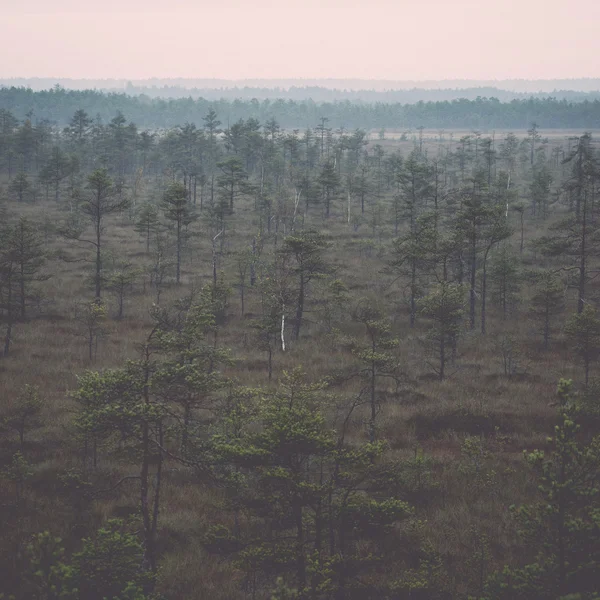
(511, 414)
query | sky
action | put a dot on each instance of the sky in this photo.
(238, 39)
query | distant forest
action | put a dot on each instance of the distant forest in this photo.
(57, 105)
(519, 86)
(328, 90)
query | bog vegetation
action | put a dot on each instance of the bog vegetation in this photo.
(243, 361)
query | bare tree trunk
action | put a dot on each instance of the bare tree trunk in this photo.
(98, 260)
(442, 356)
(178, 273)
(473, 280)
(252, 264)
(413, 292)
(300, 564)
(484, 291)
(270, 358)
(582, 260)
(300, 308)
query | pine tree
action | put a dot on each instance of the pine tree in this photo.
(57, 169)
(23, 413)
(147, 222)
(330, 183)
(27, 247)
(311, 490)
(102, 199)
(306, 250)
(547, 302)
(583, 331)
(444, 306)
(188, 376)
(412, 256)
(505, 279)
(562, 529)
(376, 356)
(120, 281)
(20, 186)
(177, 209)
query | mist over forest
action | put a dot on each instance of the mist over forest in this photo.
(57, 105)
(273, 337)
(303, 87)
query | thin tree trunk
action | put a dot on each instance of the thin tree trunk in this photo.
(546, 326)
(473, 280)
(178, 274)
(413, 291)
(582, 261)
(442, 356)
(484, 292)
(300, 308)
(373, 395)
(270, 357)
(300, 564)
(22, 290)
(98, 259)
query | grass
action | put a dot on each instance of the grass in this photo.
(509, 414)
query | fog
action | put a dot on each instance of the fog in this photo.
(236, 39)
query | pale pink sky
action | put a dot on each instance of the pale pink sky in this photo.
(375, 39)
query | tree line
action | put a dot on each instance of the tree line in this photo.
(58, 104)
